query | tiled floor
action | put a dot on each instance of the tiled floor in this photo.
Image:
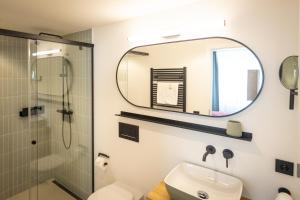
(46, 191)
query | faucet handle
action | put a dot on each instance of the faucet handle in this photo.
(210, 149)
(227, 154)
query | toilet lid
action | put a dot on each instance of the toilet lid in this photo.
(111, 192)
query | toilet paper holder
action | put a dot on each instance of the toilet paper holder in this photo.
(284, 190)
(103, 155)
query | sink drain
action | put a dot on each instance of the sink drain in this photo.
(202, 195)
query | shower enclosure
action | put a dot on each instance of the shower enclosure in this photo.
(46, 117)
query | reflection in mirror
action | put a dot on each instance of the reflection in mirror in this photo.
(52, 68)
(212, 77)
(288, 75)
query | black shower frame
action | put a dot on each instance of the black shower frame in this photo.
(18, 34)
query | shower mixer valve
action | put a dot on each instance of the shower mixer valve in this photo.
(63, 75)
(65, 112)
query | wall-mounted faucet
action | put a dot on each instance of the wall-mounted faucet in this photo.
(209, 150)
(227, 154)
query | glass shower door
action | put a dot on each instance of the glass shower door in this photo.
(45, 120)
(64, 93)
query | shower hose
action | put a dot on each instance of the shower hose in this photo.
(66, 111)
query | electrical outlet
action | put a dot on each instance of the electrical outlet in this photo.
(284, 167)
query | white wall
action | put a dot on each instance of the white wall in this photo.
(270, 28)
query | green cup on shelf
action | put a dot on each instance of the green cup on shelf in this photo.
(234, 128)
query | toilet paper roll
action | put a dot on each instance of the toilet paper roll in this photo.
(101, 163)
(283, 196)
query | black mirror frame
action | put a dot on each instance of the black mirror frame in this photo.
(215, 37)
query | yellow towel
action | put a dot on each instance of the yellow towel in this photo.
(159, 193)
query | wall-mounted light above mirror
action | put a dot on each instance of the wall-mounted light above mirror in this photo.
(211, 76)
(288, 75)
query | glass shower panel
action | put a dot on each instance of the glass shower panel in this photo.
(64, 79)
(17, 154)
(45, 120)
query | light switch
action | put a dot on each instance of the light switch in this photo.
(284, 167)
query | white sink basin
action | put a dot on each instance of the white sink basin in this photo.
(191, 182)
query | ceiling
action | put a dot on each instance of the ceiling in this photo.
(68, 16)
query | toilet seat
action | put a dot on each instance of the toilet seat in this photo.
(111, 192)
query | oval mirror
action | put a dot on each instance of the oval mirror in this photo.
(211, 76)
(289, 73)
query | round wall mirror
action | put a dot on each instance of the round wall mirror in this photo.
(288, 75)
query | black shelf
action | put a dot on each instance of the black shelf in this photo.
(186, 125)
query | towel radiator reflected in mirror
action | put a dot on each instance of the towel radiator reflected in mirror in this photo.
(171, 75)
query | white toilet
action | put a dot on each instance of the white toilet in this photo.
(112, 192)
(108, 189)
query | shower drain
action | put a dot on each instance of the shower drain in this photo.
(202, 195)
